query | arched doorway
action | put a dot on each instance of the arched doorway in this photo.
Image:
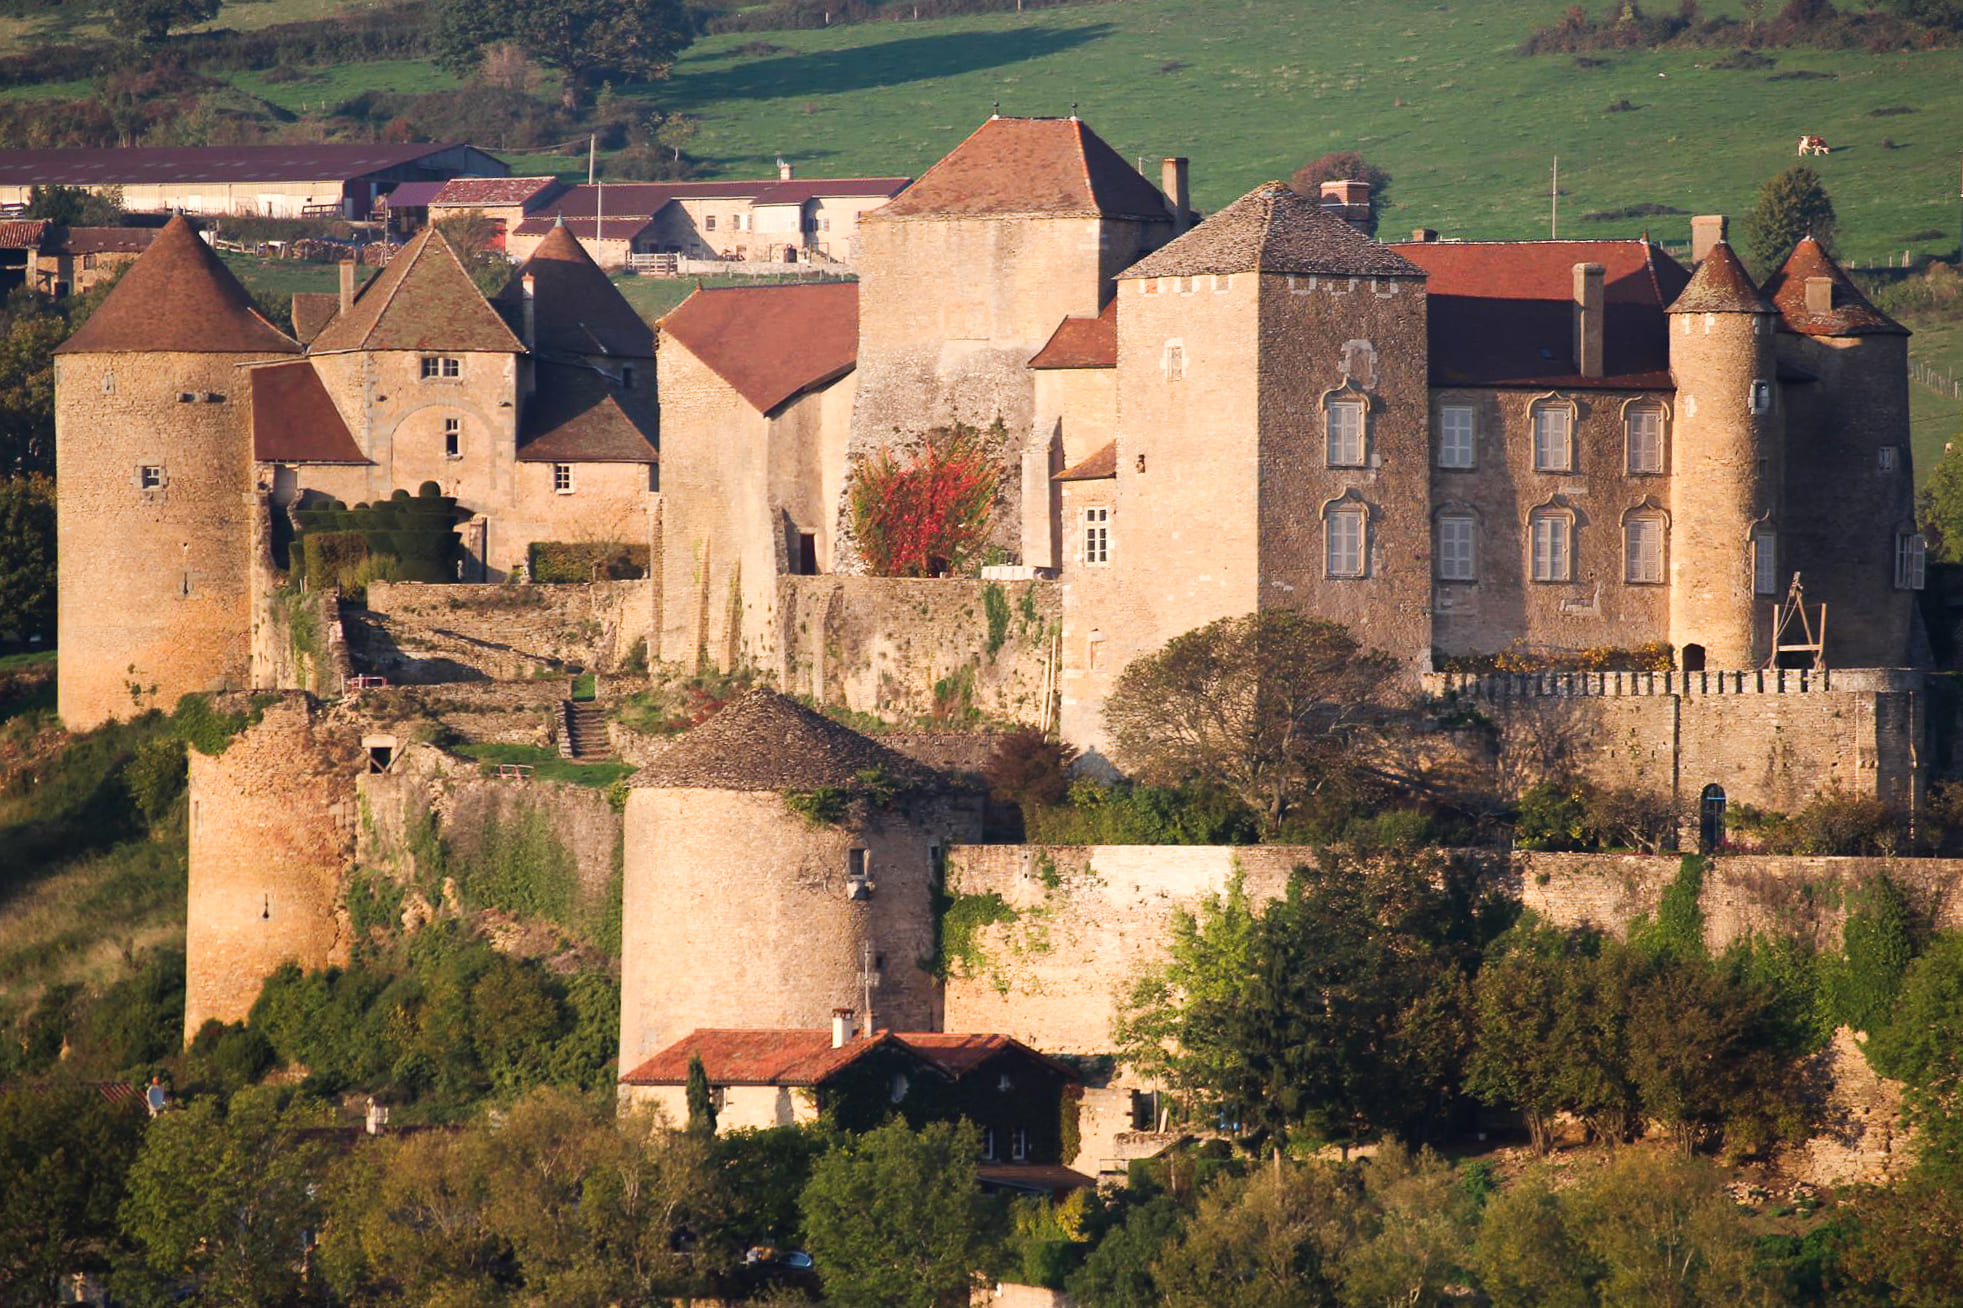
(1710, 819)
(1692, 658)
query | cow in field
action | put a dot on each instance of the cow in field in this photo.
(1812, 145)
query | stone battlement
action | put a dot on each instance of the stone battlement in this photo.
(1754, 681)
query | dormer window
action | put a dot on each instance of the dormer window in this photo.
(441, 367)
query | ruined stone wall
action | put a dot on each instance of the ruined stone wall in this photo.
(1850, 491)
(884, 644)
(1775, 740)
(298, 642)
(154, 588)
(1503, 605)
(272, 827)
(434, 633)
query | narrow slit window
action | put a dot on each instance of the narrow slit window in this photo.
(453, 438)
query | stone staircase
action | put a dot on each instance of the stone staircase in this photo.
(583, 732)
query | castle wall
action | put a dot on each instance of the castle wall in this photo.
(1845, 504)
(434, 633)
(272, 828)
(1322, 338)
(1503, 606)
(906, 647)
(1184, 536)
(737, 914)
(1773, 740)
(153, 592)
(950, 312)
(737, 488)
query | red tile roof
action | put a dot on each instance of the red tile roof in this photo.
(498, 192)
(294, 420)
(1052, 167)
(22, 233)
(578, 415)
(576, 310)
(1080, 342)
(771, 343)
(237, 163)
(423, 300)
(177, 296)
(1097, 467)
(799, 190)
(1851, 314)
(1502, 312)
(800, 1057)
(1721, 285)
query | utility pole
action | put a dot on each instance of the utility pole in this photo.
(1554, 203)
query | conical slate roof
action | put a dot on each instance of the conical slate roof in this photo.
(1272, 229)
(178, 297)
(1048, 167)
(423, 300)
(764, 741)
(1850, 315)
(576, 310)
(1721, 285)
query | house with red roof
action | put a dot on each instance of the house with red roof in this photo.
(1016, 1097)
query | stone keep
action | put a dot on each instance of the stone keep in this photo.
(154, 506)
(738, 911)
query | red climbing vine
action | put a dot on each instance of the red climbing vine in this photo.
(927, 516)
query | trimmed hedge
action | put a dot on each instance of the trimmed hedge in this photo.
(563, 561)
(418, 532)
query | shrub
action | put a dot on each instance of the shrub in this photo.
(1837, 823)
(928, 516)
(1553, 816)
(571, 561)
(155, 777)
(1028, 768)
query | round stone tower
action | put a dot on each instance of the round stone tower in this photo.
(1725, 451)
(778, 867)
(154, 503)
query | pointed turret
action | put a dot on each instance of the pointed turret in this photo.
(576, 309)
(423, 300)
(1721, 285)
(178, 297)
(1815, 298)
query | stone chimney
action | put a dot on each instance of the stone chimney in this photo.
(1588, 296)
(1424, 235)
(841, 1027)
(530, 284)
(785, 171)
(1173, 180)
(1819, 295)
(347, 285)
(1706, 230)
(1349, 201)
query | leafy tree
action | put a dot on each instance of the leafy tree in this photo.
(407, 1224)
(1521, 1007)
(1119, 1272)
(27, 556)
(150, 21)
(1530, 1251)
(1028, 767)
(1665, 1233)
(220, 1201)
(1408, 1238)
(587, 41)
(928, 516)
(895, 1220)
(1259, 1243)
(1270, 707)
(64, 1152)
(1343, 166)
(1342, 1007)
(1877, 945)
(1940, 506)
(1907, 1246)
(1791, 206)
(75, 206)
(471, 233)
(1922, 1045)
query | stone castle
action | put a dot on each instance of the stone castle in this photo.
(1456, 448)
